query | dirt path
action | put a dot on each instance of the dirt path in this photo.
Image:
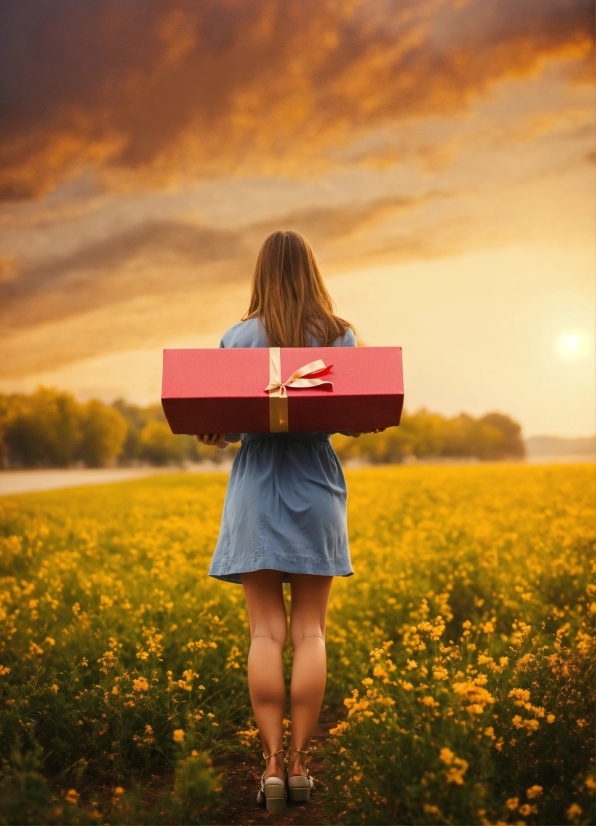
(30, 481)
(241, 780)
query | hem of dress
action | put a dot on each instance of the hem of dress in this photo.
(236, 576)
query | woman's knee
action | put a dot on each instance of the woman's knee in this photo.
(310, 595)
(266, 606)
(274, 629)
(300, 634)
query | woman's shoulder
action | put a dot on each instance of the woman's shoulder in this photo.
(347, 340)
(248, 333)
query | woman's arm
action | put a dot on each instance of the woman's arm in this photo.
(356, 433)
(214, 439)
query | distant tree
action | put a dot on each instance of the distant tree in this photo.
(103, 431)
(136, 418)
(458, 436)
(42, 429)
(135, 421)
(183, 446)
(158, 445)
(4, 414)
(511, 442)
(425, 435)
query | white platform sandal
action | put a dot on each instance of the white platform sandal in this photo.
(299, 785)
(273, 789)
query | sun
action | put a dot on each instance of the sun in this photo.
(573, 345)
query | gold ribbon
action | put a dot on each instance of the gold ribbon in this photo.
(306, 376)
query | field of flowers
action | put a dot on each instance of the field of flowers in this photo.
(461, 661)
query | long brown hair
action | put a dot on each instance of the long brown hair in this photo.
(289, 296)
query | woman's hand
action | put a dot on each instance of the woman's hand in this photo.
(214, 439)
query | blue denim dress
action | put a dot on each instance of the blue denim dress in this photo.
(285, 506)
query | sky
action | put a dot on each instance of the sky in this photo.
(437, 154)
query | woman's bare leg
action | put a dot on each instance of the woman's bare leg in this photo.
(310, 595)
(268, 630)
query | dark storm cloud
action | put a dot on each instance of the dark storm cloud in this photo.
(153, 93)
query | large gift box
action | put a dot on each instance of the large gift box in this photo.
(272, 390)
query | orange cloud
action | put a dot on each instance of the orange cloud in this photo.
(160, 93)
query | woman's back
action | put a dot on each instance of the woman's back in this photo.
(251, 333)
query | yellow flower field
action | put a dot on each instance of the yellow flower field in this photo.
(460, 655)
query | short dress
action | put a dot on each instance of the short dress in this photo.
(285, 505)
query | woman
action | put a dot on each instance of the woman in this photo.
(284, 519)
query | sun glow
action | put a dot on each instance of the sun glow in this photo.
(573, 345)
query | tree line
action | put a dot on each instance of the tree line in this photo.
(50, 428)
(424, 435)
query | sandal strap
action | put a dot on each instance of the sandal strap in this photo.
(300, 752)
(267, 756)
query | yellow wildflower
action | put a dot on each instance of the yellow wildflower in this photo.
(430, 809)
(526, 810)
(457, 767)
(521, 696)
(455, 774)
(477, 696)
(446, 755)
(339, 728)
